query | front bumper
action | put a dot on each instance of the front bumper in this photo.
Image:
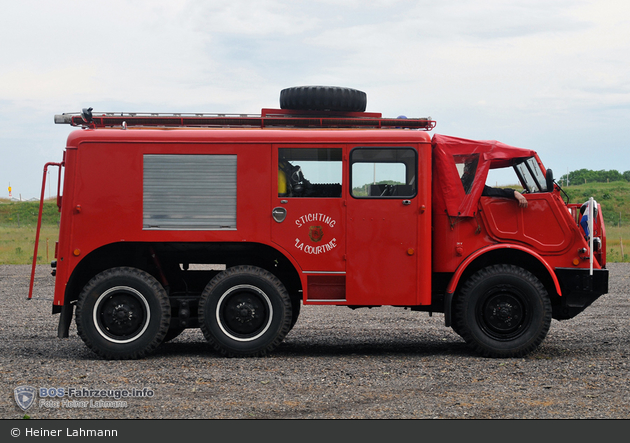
(579, 290)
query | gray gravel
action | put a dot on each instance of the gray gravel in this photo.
(336, 363)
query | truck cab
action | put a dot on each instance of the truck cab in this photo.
(474, 234)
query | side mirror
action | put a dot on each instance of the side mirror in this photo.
(549, 180)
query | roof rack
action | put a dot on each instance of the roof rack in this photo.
(267, 119)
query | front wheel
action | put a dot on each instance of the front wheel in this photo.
(123, 313)
(245, 311)
(503, 311)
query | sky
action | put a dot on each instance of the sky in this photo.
(549, 75)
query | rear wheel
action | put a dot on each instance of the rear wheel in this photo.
(123, 313)
(503, 311)
(245, 311)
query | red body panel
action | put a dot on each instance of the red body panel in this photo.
(543, 229)
(544, 225)
(103, 204)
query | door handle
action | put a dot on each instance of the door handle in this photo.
(406, 202)
(279, 214)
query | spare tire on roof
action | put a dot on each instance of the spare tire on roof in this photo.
(323, 98)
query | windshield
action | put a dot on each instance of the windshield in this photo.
(531, 176)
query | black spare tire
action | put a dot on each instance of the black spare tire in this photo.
(323, 98)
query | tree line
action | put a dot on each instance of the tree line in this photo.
(582, 176)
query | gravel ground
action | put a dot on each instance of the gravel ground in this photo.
(380, 363)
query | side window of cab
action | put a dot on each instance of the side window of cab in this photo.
(310, 172)
(383, 172)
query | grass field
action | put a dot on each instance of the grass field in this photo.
(618, 240)
(17, 244)
(18, 222)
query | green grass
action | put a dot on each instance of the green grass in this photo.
(18, 244)
(18, 225)
(618, 239)
(25, 213)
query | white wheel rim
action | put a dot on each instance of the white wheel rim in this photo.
(95, 314)
(237, 288)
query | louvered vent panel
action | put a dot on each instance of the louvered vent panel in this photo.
(189, 192)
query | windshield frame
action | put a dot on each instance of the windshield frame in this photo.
(531, 175)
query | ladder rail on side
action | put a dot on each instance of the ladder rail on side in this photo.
(268, 118)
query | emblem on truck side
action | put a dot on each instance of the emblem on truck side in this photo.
(315, 233)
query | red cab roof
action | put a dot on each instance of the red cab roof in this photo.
(453, 156)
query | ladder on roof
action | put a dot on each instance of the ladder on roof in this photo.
(269, 118)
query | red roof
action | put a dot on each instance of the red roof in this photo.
(448, 152)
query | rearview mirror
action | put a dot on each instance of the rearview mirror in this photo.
(549, 180)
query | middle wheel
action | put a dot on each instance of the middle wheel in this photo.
(245, 311)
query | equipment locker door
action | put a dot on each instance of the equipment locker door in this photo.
(382, 226)
(309, 216)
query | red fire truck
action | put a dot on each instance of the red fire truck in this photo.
(230, 223)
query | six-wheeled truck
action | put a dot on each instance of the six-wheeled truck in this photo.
(230, 223)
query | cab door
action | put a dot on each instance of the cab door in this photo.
(382, 226)
(309, 216)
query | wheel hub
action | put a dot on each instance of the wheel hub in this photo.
(122, 314)
(245, 312)
(503, 313)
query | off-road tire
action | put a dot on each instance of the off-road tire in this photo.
(323, 98)
(123, 313)
(245, 311)
(503, 311)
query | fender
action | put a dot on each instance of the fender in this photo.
(452, 285)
